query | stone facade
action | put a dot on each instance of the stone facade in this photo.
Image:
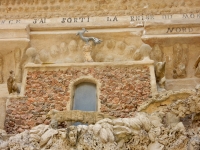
(145, 56)
(55, 8)
(120, 89)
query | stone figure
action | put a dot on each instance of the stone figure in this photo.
(33, 57)
(73, 53)
(160, 73)
(11, 84)
(72, 135)
(54, 52)
(63, 48)
(143, 53)
(87, 48)
(105, 54)
(44, 56)
(180, 60)
(129, 51)
(137, 55)
(197, 67)
(145, 50)
(119, 50)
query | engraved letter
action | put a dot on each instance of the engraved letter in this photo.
(184, 29)
(178, 29)
(82, 19)
(75, 19)
(190, 29)
(137, 18)
(115, 19)
(17, 21)
(10, 21)
(192, 16)
(152, 17)
(35, 21)
(63, 21)
(167, 16)
(43, 20)
(3, 21)
(69, 20)
(132, 18)
(185, 16)
(170, 30)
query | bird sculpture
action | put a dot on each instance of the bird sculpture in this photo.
(87, 39)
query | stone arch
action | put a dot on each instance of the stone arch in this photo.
(79, 81)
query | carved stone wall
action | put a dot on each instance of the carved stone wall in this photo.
(54, 8)
(121, 89)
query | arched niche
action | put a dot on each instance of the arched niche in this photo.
(85, 97)
(86, 89)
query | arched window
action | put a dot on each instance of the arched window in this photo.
(85, 97)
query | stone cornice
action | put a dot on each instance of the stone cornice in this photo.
(15, 9)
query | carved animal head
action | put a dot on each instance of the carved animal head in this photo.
(84, 30)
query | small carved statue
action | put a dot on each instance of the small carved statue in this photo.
(143, 53)
(145, 50)
(180, 60)
(33, 56)
(87, 39)
(87, 48)
(11, 84)
(160, 73)
(72, 135)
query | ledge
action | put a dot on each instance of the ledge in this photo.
(87, 64)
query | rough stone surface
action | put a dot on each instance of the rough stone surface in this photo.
(40, 32)
(142, 132)
(121, 90)
(54, 8)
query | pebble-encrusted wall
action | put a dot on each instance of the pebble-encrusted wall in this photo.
(121, 89)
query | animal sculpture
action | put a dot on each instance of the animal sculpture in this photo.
(87, 39)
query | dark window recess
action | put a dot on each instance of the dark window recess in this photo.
(85, 97)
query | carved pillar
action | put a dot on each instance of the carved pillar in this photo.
(1, 71)
(18, 67)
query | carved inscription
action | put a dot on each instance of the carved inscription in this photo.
(112, 19)
(191, 16)
(74, 20)
(10, 21)
(117, 19)
(167, 16)
(179, 30)
(42, 20)
(142, 17)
